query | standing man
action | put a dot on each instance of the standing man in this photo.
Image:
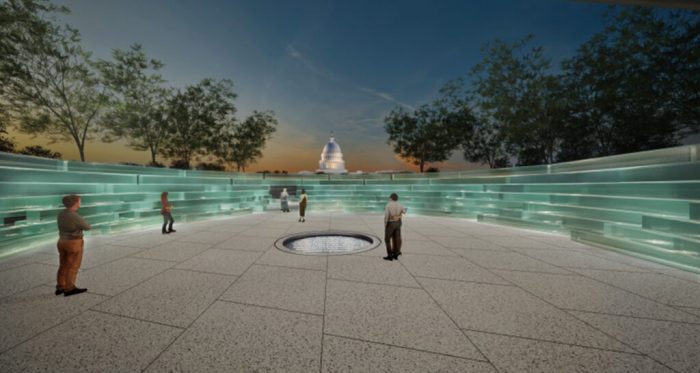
(166, 210)
(284, 200)
(303, 198)
(392, 227)
(70, 246)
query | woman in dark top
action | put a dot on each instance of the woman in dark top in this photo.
(302, 206)
(166, 210)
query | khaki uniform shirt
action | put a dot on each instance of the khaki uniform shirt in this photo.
(393, 211)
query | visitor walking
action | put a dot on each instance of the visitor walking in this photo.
(284, 200)
(70, 246)
(392, 227)
(166, 210)
(302, 206)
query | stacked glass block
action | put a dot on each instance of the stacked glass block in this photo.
(645, 204)
(114, 197)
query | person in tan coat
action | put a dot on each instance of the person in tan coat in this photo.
(70, 246)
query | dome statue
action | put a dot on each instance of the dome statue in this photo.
(332, 159)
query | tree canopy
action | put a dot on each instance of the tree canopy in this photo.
(199, 116)
(137, 99)
(244, 145)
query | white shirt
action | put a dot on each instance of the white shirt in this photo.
(393, 211)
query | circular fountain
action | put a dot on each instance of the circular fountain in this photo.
(327, 243)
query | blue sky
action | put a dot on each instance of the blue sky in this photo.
(324, 66)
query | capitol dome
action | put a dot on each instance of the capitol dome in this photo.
(332, 159)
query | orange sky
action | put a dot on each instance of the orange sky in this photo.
(288, 150)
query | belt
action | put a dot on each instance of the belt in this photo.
(69, 239)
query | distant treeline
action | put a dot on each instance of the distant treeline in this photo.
(633, 86)
(50, 85)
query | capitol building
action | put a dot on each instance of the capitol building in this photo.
(332, 159)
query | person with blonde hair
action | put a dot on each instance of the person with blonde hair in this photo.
(70, 246)
(166, 210)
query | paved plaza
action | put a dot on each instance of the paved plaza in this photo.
(217, 296)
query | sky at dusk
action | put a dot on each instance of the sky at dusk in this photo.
(321, 66)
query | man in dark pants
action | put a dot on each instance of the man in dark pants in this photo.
(70, 246)
(392, 227)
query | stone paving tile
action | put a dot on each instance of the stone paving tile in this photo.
(177, 251)
(247, 243)
(684, 275)
(25, 258)
(210, 238)
(306, 228)
(95, 256)
(231, 337)
(508, 260)
(392, 315)
(279, 258)
(91, 342)
(576, 259)
(658, 286)
(419, 336)
(448, 268)
(424, 247)
(441, 232)
(369, 269)
(226, 262)
(147, 240)
(173, 297)
(19, 279)
(264, 232)
(278, 287)
(510, 310)
(468, 243)
(517, 242)
(583, 294)
(119, 275)
(675, 344)
(619, 257)
(510, 354)
(349, 355)
(228, 227)
(26, 314)
(694, 311)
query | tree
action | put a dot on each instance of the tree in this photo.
(432, 132)
(47, 78)
(138, 100)
(244, 146)
(637, 83)
(199, 117)
(40, 151)
(518, 101)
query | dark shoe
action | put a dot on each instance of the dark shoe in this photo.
(74, 291)
(396, 256)
(58, 291)
(172, 231)
(388, 258)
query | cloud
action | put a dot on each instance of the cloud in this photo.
(297, 55)
(386, 97)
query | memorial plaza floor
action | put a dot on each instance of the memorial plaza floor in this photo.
(217, 296)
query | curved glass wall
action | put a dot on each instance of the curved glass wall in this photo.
(645, 204)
